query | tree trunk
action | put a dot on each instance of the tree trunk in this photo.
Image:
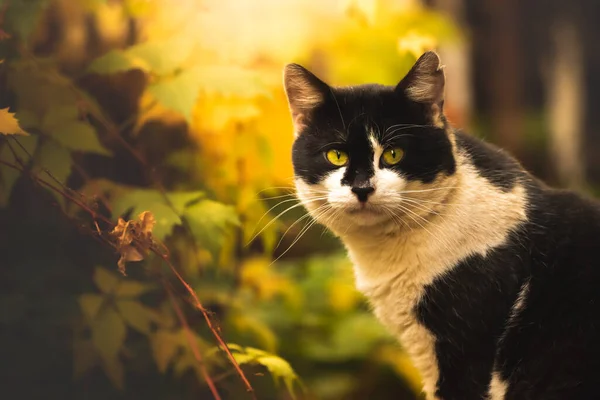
(565, 105)
(504, 73)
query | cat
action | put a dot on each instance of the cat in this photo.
(489, 279)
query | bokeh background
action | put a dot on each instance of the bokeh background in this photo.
(176, 107)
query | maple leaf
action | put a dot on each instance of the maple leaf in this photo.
(133, 238)
(9, 125)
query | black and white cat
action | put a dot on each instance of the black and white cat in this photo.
(489, 279)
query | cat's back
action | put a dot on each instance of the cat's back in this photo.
(551, 347)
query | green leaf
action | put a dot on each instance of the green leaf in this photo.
(85, 357)
(10, 175)
(164, 348)
(139, 200)
(90, 304)
(59, 115)
(137, 315)
(163, 57)
(78, 136)
(56, 160)
(106, 281)
(129, 288)
(108, 334)
(22, 17)
(178, 94)
(210, 222)
(279, 368)
(112, 62)
(113, 368)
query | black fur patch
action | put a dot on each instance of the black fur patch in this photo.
(345, 120)
(491, 162)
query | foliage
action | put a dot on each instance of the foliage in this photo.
(206, 205)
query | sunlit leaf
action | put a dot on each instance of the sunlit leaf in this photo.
(78, 136)
(10, 175)
(164, 348)
(231, 80)
(210, 222)
(279, 368)
(115, 61)
(178, 94)
(90, 304)
(108, 334)
(137, 315)
(9, 125)
(416, 43)
(162, 57)
(107, 282)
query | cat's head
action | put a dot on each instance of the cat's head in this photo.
(371, 155)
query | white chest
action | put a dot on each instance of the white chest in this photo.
(394, 296)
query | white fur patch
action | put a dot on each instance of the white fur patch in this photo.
(378, 150)
(394, 262)
(498, 387)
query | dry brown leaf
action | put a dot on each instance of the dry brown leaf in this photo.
(9, 125)
(133, 238)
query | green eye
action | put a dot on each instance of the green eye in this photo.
(337, 157)
(392, 156)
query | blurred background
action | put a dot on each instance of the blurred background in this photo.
(177, 108)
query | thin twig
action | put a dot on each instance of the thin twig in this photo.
(192, 342)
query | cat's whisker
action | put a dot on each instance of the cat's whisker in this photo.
(298, 220)
(428, 190)
(280, 214)
(406, 126)
(410, 213)
(416, 203)
(300, 234)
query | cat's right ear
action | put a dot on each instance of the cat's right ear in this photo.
(304, 92)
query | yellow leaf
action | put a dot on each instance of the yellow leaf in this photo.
(416, 43)
(137, 315)
(164, 348)
(342, 295)
(363, 10)
(9, 125)
(108, 334)
(402, 365)
(251, 323)
(90, 305)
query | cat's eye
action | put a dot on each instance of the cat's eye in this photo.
(392, 156)
(337, 157)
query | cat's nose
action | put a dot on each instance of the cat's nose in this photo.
(362, 193)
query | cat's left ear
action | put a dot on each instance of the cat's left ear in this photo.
(424, 84)
(304, 93)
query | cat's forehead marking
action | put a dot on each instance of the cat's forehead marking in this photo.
(377, 149)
